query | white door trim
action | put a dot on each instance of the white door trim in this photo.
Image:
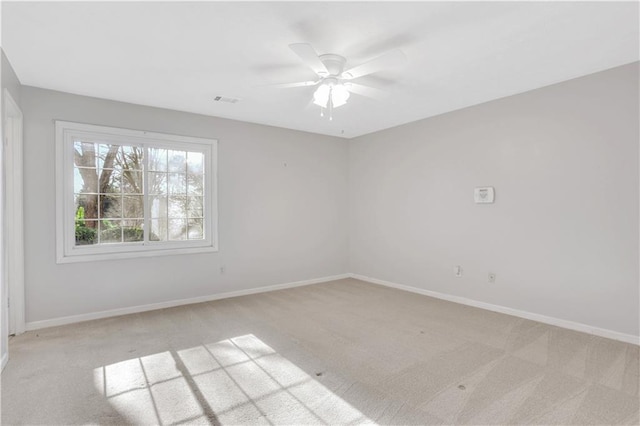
(14, 219)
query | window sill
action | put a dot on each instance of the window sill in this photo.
(95, 257)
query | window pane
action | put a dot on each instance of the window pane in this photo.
(177, 183)
(157, 183)
(132, 206)
(177, 207)
(130, 157)
(195, 207)
(86, 232)
(107, 155)
(110, 206)
(178, 161)
(132, 181)
(86, 206)
(158, 230)
(195, 185)
(85, 154)
(85, 180)
(195, 229)
(177, 229)
(195, 162)
(158, 207)
(158, 159)
(110, 231)
(132, 230)
(84, 147)
(109, 181)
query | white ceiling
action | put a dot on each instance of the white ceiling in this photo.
(180, 55)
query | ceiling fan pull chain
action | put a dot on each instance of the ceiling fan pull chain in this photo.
(331, 103)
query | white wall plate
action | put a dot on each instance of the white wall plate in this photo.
(484, 195)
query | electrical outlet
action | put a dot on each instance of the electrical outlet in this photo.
(457, 271)
(492, 278)
(222, 269)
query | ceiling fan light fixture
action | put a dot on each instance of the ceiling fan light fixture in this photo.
(321, 95)
(331, 93)
(339, 95)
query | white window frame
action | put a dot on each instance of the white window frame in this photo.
(68, 252)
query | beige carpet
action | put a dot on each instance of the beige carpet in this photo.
(345, 352)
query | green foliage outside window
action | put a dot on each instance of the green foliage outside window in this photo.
(84, 234)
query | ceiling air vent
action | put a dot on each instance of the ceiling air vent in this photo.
(227, 99)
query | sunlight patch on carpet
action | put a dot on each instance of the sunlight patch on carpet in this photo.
(237, 380)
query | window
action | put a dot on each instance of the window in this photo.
(124, 193)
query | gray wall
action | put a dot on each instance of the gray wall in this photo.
(562, 236)
(10, 82)
(277, 224)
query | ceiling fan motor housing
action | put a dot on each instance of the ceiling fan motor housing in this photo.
(333, 63)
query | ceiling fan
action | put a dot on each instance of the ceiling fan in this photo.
(335, 84)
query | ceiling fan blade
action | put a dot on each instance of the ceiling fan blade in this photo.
(309, 56)
(363, 90)
(387, 60)
(299, 84)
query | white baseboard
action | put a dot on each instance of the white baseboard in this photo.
(628, 338)
(36, 325)
(610, 334)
